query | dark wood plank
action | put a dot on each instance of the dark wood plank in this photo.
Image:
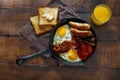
(12, 20)
(18, 17)
(30, 72)
(17, 20)
(81, 5)
(22, 3)
(109, 31)
(13, 47)
(114, 5)
(88, 5)
(106, 54)
(104, 64)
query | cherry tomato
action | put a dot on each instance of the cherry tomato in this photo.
(84, 51)
(89, 49)
(83, 55)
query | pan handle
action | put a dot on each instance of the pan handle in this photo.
(25, 58)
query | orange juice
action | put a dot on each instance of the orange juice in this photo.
(101, 14)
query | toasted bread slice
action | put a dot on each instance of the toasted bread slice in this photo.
(52, 15)
(39, 29)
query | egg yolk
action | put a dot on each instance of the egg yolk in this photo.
(61, 31)
(72, 54)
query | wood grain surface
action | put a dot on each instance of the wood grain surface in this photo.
(104, 64)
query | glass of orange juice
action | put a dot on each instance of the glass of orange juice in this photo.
(101, 14)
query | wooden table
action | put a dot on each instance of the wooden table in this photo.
(104, 64)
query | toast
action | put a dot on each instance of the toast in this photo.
(39, 29)
(48, 15)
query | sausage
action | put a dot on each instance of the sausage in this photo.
(80, 33)
(80, 26)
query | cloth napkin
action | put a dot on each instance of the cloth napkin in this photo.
(41, 42)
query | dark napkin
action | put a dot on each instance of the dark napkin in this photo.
(41, 42)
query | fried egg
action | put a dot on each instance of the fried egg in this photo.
(61, 31)
(62, 34)
(70, 56)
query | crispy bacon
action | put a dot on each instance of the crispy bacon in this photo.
(66, 45)
(63, 47)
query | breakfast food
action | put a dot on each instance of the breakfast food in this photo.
(80, 26)
(63, 47)
(66, 45)
(71, 56)
(46, 18)
(60, 37)
(61, 31)
(84, 51)
(81, 33)
(39, 29)
(48, 15)
(74, 41)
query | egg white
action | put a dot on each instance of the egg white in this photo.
(57, 39)
(65, 57)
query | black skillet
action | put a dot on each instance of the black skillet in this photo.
(50, 47)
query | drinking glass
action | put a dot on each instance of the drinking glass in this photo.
(101, 14)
